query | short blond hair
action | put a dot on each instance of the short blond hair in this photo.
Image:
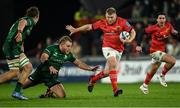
(64, 39)
(110, 10)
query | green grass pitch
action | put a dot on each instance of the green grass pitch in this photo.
(78, 96)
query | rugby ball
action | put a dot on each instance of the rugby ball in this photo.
(124, 35)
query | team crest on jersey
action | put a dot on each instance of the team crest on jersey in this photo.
(65, 57)
(118, 28)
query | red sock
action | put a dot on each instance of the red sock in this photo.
(113, 78)
(165, 70)
(148, 78)
(98, 76)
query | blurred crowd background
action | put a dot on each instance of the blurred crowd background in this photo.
(54, 17)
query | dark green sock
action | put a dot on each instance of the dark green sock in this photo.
(18, 87)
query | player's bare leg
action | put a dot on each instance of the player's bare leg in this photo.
(25, 73)
(8, 75)
(26, 70)
(58, 89)
(149, 75)
(170, 62)
(13, 65)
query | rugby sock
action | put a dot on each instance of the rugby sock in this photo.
(18, 87)
(148, 78)
(165, 70)
(113, 78)
(98, 76)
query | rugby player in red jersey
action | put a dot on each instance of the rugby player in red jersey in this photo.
(159, 33)
(113, 47)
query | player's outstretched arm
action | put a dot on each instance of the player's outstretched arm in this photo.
(83, 28)
(84, 66)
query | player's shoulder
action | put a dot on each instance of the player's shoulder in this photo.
(168, 23)
(52, 46)
(121, 19)
(29, 20)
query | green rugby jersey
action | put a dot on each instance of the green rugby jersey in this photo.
(56, 58)
(10, 39)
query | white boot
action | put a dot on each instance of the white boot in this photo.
(162, 80)
(144, 88)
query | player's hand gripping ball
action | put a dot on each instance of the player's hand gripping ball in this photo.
(124, 35)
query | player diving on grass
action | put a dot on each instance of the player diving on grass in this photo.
(113, 47)
(159, 32)
(52, 59)
(19, 65)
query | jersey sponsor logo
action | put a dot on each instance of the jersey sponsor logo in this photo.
(57, 60)
(110, 33)
(160, 35)
(55, 54)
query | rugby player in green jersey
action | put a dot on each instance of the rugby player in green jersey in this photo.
(13, 49)
(52, 59)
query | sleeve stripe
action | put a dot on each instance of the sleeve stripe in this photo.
(47, 50)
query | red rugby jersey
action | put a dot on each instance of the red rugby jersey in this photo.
(111, 32)
(159, 36)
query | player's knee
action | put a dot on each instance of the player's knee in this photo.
(61, 96)
(112, 65)
(173, 62)
(28, 67)
(58, 89)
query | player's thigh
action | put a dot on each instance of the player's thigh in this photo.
(169, 59)
(58, 89)
(8, 75)
(157, 56)
(24, 62)
(112, 56)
